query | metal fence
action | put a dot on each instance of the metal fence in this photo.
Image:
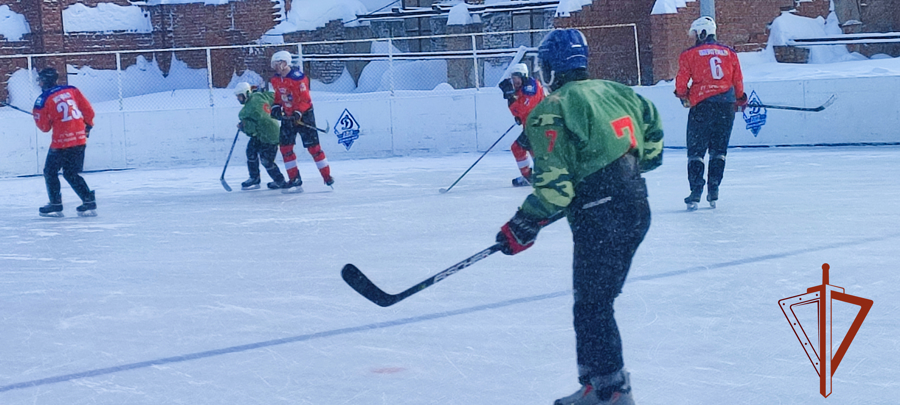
(190, 77)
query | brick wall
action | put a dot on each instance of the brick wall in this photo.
(746, 32)
(612, 50)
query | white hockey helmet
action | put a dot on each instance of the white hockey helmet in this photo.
(242, 88)
(520, 69)
(703, 27)
(284, 56)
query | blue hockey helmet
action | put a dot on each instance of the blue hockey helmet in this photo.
(562, 50)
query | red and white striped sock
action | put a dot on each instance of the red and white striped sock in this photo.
(321, 161)
(290, 161)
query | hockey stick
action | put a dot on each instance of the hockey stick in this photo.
(324, 131)
(783, 107)
(222, 179)
(365, 287)
(14, 108)
(444, 190)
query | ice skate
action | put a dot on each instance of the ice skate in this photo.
(712, 195)
(613, 389)
(520, 182)
(88, 208)
(250, 184)
(329, 182)
(693, 200)
(293, 186)
(51, 210)
(275, 185)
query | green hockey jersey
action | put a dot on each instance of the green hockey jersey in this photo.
(256, 120)
(581, 128)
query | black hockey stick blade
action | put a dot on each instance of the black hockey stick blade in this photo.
(225, 184)
(365, 287)
(827, 103)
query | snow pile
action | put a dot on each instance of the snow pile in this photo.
(12, 25)
(668, 6)
(789, 26)
(106, 17)
(407, 75)
(343, 84)
(459, 15)
(306, 15)
(144, 77)
(569, 6)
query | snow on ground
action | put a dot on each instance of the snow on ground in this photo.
(179, 292)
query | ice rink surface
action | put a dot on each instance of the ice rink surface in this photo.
(182, 293)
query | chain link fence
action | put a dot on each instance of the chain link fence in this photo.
(175, 106)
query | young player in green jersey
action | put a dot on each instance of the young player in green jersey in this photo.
(592, 139)
(263, 133)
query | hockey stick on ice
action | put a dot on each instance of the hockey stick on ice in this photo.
(14, 108)
(444, 190)
(222, 179)
(365, 287)
(783, 107)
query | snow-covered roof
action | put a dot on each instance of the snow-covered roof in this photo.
(13, 25)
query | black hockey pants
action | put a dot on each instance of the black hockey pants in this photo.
(71, 161)
(257, 152)
(609, 218)
(708, 129)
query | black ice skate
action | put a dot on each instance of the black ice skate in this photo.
(712, 195)
(613, 389)
(329, 182)
(51, 210)
(520, 182)
(250, 184)
(293, 186)
(275, 185)
(693, 200)
(89, 208)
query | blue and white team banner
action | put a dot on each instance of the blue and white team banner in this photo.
(754, 115)
(347, 129)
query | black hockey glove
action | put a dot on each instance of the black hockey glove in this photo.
(519, 233)
(277, 113)
(296, 116)
(506, 86)
(87, 130)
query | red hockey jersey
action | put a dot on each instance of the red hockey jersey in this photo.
(66, 111)
(527, 97)
(712, 69)
(292, 92)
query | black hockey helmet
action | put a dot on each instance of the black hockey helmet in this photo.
(48, 77)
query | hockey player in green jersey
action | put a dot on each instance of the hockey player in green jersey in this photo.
(592, 139)
(263, 133)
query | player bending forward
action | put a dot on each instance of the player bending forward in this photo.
(592, 139)
(293, 107)
(263, 133)
(522, 94)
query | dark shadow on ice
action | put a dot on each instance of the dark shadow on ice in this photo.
(421, 318)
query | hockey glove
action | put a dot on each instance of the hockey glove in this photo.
(87, 131)
(277, 113)
(741, 103)
(519, 233)
(506, 86)
(296, 116)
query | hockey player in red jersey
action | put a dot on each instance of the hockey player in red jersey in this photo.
(293, 107)
(716, 91)
(65, 111)
(522, 94)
